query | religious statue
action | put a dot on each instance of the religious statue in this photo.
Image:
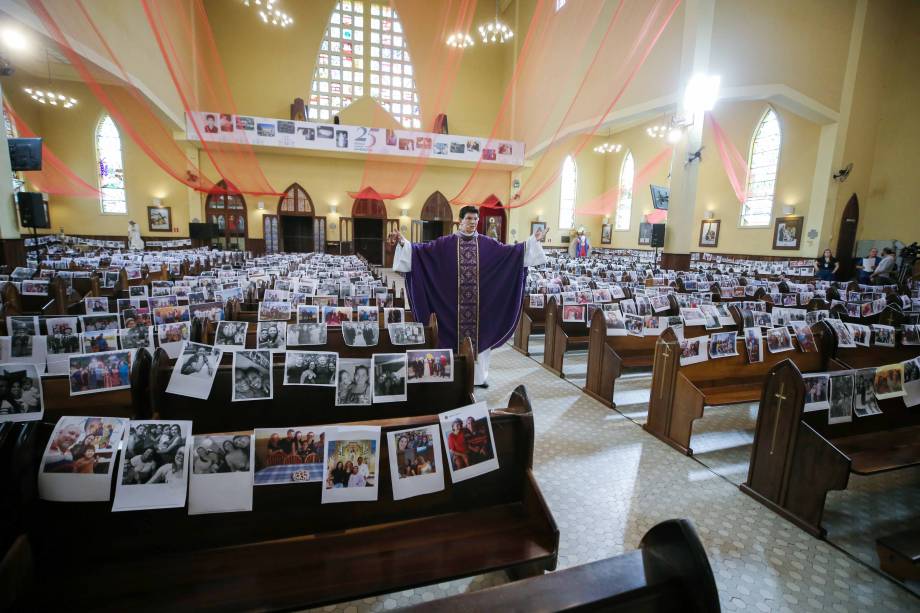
(492, 231)
(580, 247)
(134, 237)
(474, 284)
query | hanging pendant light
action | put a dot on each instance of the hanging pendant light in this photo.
(46, 96)
(495, 31)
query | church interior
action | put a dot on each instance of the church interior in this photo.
(262, 260)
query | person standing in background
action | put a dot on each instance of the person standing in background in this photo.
(826, 266)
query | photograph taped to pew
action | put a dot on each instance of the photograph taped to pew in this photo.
(693, 317)
(634, 324)
(334, 315)
(817, 387)
(467, 434)
(137, 291)
(616, 325)
(231, 334)
(360, 333)
(60, 348)
(154, 466)
(271, 335)
(19, 325)
(79, 459)
(208, 311)
(537, 301)
(368, 313)
(352, 464)
(753, 343)
(723, 344)
(222, 475)
(136, 337)
(308, 314)
(389, 377)
(910, 334)
(779, 340)
(693, 350)
(353, 384)
(24, 348)
(33, 287)
(96, 304)
(102, 321)
(889, 381)
(911, 382)
(252, 376)
(20, 393)
(306, 334)
(310, 368)
(98, 341)
(883, 336)
(194, 371)
(100, 372)
(573, 313)
(861, 334)
(394, 316)
(864, 402)
(289, 455)
(172, 336)
(415, 461)
(840, 409)
(804, 336)
(171, 314)
(410, 333)
(274, 311)
(844, 337)
(430, 365)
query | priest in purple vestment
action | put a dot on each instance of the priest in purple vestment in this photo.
(473, 283)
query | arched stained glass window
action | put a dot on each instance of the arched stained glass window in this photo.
(763, 162)
(624, 201)
(567, 193)
(364, 50)
(111, 167)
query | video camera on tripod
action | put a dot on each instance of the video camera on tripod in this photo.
(908, 257)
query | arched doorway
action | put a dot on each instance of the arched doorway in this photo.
(296, 219)
(846, 237)
(436, 219)
(226, 208)
(492, 219)
(368, 219)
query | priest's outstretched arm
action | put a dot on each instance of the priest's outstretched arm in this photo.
(533, 252)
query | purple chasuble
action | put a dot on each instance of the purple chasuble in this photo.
(474, 284)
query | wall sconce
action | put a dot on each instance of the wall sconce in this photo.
(158, 202)
(261, 205)
(606, 219)
(333, 208)
(788, 209)
(708, 215)
(404, 210)
(333, 226)
(404, 228)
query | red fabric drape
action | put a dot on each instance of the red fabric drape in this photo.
(55, 177)
(605, 204)
(736, 167)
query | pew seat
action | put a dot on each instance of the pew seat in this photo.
(878, 452)
(899, 554)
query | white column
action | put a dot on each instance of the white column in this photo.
(9, 222)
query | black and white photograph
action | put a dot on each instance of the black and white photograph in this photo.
(353, 382)
(864, 402)
(306, 334)
(390, 376)
(861, 334)
(252, 376)
(841, 398)
(231, 334)
(194, 372)
(911, 382)
(410, 333)
(844, 337)
(20, 393)
(136, 338)
(310, 368)
(537, 301)
(910, 334)
(817, 392)
(352, 464)
(79, 459)
(360, 333)
(430, 365)
(415, 461)
(208, 311)
(271, 335)
(469, 442)
(693, 317)
(222, 473)
(154, 466)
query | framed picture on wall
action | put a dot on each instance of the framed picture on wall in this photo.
(787, 232)
(159, 218)
(709, 232)
(645, 233)
(538, 225)
(606, 233)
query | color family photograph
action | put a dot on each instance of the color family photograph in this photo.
(100, 372)
(415, 461)
(352, 464)
(430, 365)
(467, 436)
(289, 455)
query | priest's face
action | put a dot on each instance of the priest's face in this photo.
(469, 222)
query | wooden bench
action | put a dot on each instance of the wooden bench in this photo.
(797, 457)
(291, 551)
(679, 393)
(532, 321)
(899, 554)
(298, 405)
(669, 573)
(609, 355)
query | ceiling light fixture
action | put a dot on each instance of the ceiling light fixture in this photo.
(495, 31)
(50, 98)
(608, 148)
(14, 39)
(659, 131)
(269, 13)
(460, 40)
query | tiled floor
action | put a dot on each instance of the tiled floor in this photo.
(607, 482)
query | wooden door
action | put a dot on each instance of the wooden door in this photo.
(319, 234)
(270, 233)
(345, 235)
(846, 238)
(392, 225)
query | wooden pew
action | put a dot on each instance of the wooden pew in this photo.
(560, 337)
(899, 554)
(532, 321)
(294, 405)
(292, 552)
(668, 573)
(679, 393)
(797, 457)
(608, 355)
(18, 487)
